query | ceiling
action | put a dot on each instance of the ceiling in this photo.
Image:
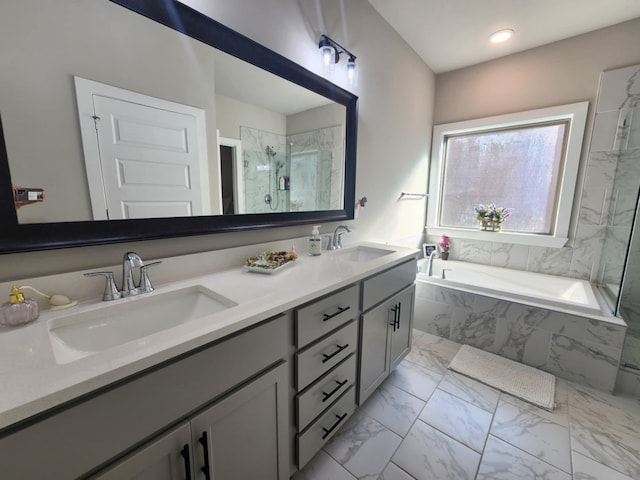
(452, 34)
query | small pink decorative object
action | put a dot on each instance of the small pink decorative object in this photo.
(444, 247)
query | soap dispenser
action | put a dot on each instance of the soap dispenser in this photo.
(18, 310)
(315, 241)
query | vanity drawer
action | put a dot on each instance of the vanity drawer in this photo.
(321, 431)
(325, 391)
(320, 317)
(321, 357)
(382, 286)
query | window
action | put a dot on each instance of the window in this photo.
(526, 161)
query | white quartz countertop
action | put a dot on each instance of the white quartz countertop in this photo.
(33, 381)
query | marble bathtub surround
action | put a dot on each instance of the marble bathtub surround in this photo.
(584, 349)
(466, 430)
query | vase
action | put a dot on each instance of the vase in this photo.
(487, 225)
(444, 255)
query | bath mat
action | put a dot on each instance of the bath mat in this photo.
(521, 381)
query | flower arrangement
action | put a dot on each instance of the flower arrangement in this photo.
(444, 244)
(492, 216)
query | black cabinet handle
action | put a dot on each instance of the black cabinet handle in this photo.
(395, 311)
(398, 315)
(187, 461)
(329, 316)
(326, 396)
(205, 447)
(333, 427)
(329, 357)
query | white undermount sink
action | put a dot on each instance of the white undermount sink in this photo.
(78, 335)
(362, 253)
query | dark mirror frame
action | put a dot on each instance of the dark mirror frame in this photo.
(15, 237)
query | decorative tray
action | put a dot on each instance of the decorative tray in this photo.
(270, 262)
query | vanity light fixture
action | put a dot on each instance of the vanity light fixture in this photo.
(501, 36)
(331, 50)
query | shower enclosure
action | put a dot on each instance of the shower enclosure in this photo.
(615, 153)
(290, 173)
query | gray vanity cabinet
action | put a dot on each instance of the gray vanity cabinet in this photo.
(161, 459)
(325, 375)
(243, 436)
(220, 388)
(385, 329)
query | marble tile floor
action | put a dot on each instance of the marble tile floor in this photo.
(425, 422)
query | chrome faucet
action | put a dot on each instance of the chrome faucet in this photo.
(129, 288)
(336, 240)
(130, 261)
(433, 255)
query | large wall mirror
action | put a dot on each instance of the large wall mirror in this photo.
(145, 119)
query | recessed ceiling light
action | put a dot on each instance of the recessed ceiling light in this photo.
(501, 36)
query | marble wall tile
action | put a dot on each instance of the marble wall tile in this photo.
(633, 140)
(432, 317)
(460, 420)
(604, 333)
(605, 128)
(584, 362)
(426, 454)
(587, 247)
(522, 342)
(628, 382)
(475, 329)
(555, 322)
(507, 255)
(502, 461)
(455, 298)
(619, 88)
(491, 306)
(363, 446)
(534, 434)
(598, 184)
(552, 261)
(473, 251)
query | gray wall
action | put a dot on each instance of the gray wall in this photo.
(396, 91)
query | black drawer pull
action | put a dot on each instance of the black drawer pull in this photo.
(398, 316)
(329, 357)
(205, 447)
(326, 396)
(327, 432)
(187, 461)
(329, 316)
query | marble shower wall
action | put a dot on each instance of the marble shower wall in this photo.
(612, 178)
(326, 145)
(259, 170)
(319, 169)
(581, 349)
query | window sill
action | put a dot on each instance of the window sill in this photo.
(502, 237)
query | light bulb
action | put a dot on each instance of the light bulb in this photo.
(351, 69)
(328, 55)
(501, 36)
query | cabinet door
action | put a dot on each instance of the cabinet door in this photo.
(244, 436)
(167, 458)
(374, 364)
(400, 337)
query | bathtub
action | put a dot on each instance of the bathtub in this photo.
(557, 293)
